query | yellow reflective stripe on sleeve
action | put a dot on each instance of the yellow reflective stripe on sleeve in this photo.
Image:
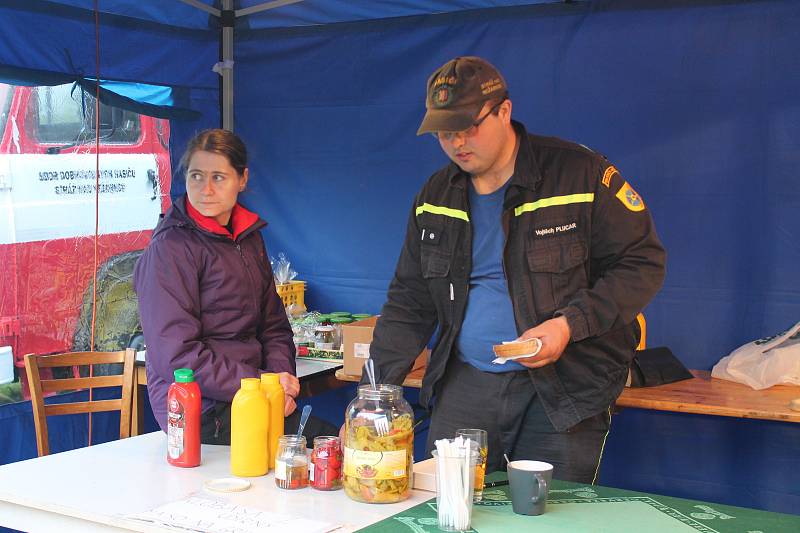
(445, 211)
(554, 200)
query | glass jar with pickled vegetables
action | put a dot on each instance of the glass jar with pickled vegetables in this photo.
(378, 445)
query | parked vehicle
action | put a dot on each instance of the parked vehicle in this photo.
(48, 194)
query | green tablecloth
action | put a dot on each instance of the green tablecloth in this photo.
(574, 507)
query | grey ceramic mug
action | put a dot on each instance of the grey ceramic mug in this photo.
(529, 482)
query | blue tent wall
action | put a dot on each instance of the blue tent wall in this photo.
(694, 102)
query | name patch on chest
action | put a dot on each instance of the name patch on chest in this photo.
(555, 230)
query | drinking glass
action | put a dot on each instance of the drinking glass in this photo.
(481, 443)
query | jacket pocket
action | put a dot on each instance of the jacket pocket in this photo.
(435, 264)
(433, 252)
(557, 271)
(436, 272)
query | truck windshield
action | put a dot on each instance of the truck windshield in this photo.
(65, 115)
(5, 103)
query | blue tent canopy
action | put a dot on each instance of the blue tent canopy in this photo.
(162, 34)
(262, 14)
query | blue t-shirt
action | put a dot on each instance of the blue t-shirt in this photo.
(489, 317)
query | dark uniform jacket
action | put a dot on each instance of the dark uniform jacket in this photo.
(579, 242)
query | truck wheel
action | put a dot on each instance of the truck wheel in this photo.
(117, 318)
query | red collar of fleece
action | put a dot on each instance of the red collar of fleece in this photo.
(241, 219)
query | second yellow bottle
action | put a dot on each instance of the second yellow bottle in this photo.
(273, 390)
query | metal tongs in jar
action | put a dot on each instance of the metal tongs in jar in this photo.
(380, 420)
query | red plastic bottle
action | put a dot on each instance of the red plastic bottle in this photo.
(183, 420)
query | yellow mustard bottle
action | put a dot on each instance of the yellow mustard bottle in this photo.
(249, 430)
(273, 390)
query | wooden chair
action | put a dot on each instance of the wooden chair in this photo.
(39, 387)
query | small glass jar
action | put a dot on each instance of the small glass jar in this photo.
(337, 322)
(325, 472)
(324, 337)
(291, 463)
(378, 445)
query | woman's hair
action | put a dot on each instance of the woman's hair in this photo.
(218, 141)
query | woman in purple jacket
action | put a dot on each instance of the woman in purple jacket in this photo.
(207, 297)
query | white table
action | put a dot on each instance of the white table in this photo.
(91, 489)
(307, 368)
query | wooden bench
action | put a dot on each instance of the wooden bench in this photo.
(702, 395)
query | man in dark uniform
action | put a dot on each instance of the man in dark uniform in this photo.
(520, 236)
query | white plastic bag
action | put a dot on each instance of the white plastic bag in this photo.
(282, 270)
(764, 362)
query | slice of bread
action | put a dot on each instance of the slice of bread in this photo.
(512, 349)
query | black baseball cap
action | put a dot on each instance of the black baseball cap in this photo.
(457, 92)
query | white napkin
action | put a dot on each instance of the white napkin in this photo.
(502, 360)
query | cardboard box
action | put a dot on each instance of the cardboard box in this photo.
(356, 338)
(424, 475)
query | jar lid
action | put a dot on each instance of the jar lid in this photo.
(227, 484)
(339, 313)
(323, 318)
(183, 375)
(341, 320)
(361, 316)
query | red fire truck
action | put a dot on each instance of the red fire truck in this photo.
(47, 205)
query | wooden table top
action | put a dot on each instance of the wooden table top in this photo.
(711, 396)
(700, 395)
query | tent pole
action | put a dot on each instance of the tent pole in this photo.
(227, 59)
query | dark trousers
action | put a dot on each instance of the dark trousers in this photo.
(507, 407)
(215, 426)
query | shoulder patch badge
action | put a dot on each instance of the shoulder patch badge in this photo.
(608, 174)
(630, 198)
